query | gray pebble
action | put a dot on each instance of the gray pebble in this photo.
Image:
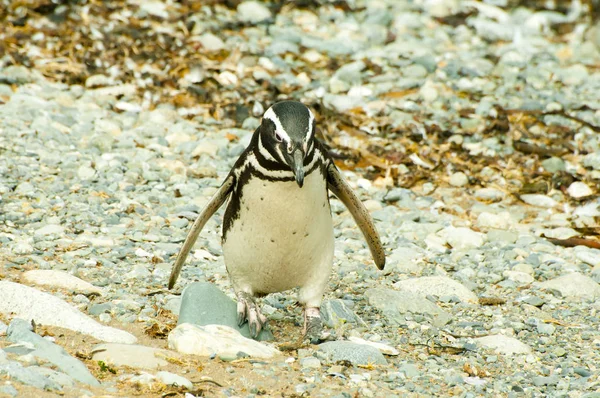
(335, 313)
(583, 372)
(545, 380)
(97, 309)
(553, 165)
(9, 390)
(357, 354)
(310, 362)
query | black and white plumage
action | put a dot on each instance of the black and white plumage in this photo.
(277, 228)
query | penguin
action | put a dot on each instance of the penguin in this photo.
(277, 231)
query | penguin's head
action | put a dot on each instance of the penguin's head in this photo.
(287, 132)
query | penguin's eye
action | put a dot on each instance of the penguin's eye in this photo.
(278, 137)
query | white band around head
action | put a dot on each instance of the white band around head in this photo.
(270, 114)
(279, 130)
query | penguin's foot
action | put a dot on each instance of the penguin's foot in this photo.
(313, 326)
(247, 310)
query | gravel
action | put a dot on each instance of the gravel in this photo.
(469, 129)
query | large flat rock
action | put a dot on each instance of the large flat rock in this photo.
(60, 280)
(19, 332)
(573, 285)
(45, 309)
(437, 286)
(357, 354)
(502, 344)
(216, 339)
(133, 355)
(394, 304)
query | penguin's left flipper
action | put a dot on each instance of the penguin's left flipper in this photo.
(213, 205)
(341, 189)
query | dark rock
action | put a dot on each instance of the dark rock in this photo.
(204, 304)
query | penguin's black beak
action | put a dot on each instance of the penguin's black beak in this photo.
(298, 166)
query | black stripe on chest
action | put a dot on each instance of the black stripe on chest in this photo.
(232, 213)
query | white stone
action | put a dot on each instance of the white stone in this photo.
(211, 42)
(590, 209)
(436, 243)
(491, 220)
(524, 267)
(573, 285)
(28, 303)
(60, 279)
(143, 253)
(143, 379)
(459, 179)
(176, 166)
(227, 78)
(441, 8)
(503, 344)
(172, 379)
(404, 260)
(337, 86)
(310, 363)
(560, 233)
(128, 107)
(520, 278)
(579, 190)
(86, 172)
(155, 8)
(437, 286)
(99, 81)
(22, 248)
(372, 205)
(216, 339)
(133, 355)
(50, 229)
(253, 11)
(428, 91)
(463, 238)
(489, 194)
(121, 89)
(205, 146)
(383, 348)
(139, 271)
(539, 200)
(590, 256)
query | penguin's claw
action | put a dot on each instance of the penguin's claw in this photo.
(313, 326)
(241, 312)
(247, 310)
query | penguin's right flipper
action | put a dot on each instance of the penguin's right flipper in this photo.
(213, 205)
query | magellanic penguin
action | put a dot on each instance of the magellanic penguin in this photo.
(277, 228)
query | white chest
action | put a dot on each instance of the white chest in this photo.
(283, 236)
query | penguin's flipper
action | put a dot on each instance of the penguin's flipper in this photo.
(341, 189)
(213, 205)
